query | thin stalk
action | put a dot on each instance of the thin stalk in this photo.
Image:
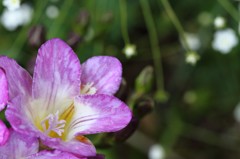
(40, 6)
(154, 43)
(22, 35)
(176, 23)
(227, 5)
(123, 18)
(56, 26)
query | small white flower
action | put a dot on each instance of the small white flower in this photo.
(129, 50)
(193, 41)
(192, 58)
(11, 4)
(224, 40)
(156, 152)
(21, 16)
(52, 12)
(219, 22)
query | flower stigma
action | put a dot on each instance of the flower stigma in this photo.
(88, 89)
(53, 123)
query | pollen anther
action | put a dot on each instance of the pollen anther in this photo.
(52, 123)
(88, 89)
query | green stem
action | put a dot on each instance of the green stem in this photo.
(230, 9)
(123, 17)
(40, 6)
(154, 43)
(176, 23)
(22, 35)
(57, 25)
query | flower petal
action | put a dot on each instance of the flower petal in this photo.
(19, 146)
(74, 146)
(98, 113)
(104, 72)
(56, 74)
(4, 89)
(4, 133)
(53, 155)
(18, 114)
(19, 80)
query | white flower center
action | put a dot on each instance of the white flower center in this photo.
(52, 123)
(88, 89)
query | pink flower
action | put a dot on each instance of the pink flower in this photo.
(64, 101)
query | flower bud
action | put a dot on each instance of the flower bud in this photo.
(36, 36)
(83, 18)
(143, 82)
(73, 40)
(143, 106)
(124, 134)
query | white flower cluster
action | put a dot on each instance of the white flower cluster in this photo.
(192, 58)
(129, 50)
(11, 4)
(156, 152)
(219, 22)
(193, 41)
(15, 15)
(224, 40)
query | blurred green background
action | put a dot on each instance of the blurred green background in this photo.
(189, 110)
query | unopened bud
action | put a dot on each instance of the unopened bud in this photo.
(36, 36)
(83, 18)
(125, 133)
(143, 82)
(109, 139)
(73, 40)
(143, 106)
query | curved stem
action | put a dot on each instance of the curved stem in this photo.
(123, 17)
(154, 43)
(230, 9)
(176, 23)
(22, 35)
(56, 26)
